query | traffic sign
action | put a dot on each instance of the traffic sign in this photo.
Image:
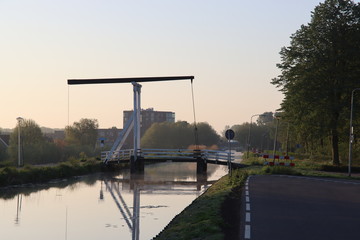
(229, 134)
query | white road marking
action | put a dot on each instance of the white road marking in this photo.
(247, 218)
(247, 231)
(247, 214)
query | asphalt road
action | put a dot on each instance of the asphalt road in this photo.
(291, 208)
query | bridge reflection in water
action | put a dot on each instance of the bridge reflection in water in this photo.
(140, 185)
(127, 202)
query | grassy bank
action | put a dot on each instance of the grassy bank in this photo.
(10, 175)
(203, 219)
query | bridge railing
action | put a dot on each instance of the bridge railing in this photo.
(185, 154)
(122, 155)
(168, 154)
(218, 155)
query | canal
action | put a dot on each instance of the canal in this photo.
(103, 206)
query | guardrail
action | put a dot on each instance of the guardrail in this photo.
(169, 154)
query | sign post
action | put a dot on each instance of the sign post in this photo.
(229, 134)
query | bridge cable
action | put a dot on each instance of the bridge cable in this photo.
(195, 124)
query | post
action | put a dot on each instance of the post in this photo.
(287, 139)
(136, 214)
(249, 135)
(19, 119)
(201, 164)
(136, 117)
(351, 134)
(275, 138)
(19, 146)
(229, 158)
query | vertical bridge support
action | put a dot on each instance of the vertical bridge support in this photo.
(137, 166)
(136, 117)
(201, 164)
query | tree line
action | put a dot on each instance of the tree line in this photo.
(319, 71)
(81, 140)
(37, 148)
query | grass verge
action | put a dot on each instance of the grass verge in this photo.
(203, 219)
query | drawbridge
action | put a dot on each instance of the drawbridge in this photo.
(137, 156)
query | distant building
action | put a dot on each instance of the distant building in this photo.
(149, 116)
(107, 136)
(59, 134)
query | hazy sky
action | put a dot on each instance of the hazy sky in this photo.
(231, 47)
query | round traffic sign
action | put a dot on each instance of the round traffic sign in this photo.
(229, 134)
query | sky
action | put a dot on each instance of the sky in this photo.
(230, 47)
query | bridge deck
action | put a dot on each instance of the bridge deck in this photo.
(174, 155)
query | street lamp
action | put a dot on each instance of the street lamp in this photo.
(19, 119)
(249, 135)
(351, 135)
(277, 117)
(287, 139)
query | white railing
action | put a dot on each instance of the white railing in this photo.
(117, 155)
(185, 154)
(218, 155)
(168, 153)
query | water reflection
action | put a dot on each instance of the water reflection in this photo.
(140, 185)
(18, 209)
(107, 206)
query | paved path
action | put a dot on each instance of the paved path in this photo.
(287, 207)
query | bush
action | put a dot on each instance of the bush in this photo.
(30, 174)
(283, 170)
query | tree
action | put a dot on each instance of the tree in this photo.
(82, 133)
(35, 148)
(260, 134)
(241, 133)
(178, 135)
(207, 134)
(318, 72)
(265, 118)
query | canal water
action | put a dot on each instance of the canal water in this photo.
(103, 206)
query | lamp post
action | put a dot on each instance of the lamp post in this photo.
(287, 139)
(249, 135)
(19, 119)
(262, 142)
(351, 135)
(277, 117)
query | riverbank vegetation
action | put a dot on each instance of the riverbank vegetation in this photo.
(35, 147)
(204, 218)
(34, 174)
